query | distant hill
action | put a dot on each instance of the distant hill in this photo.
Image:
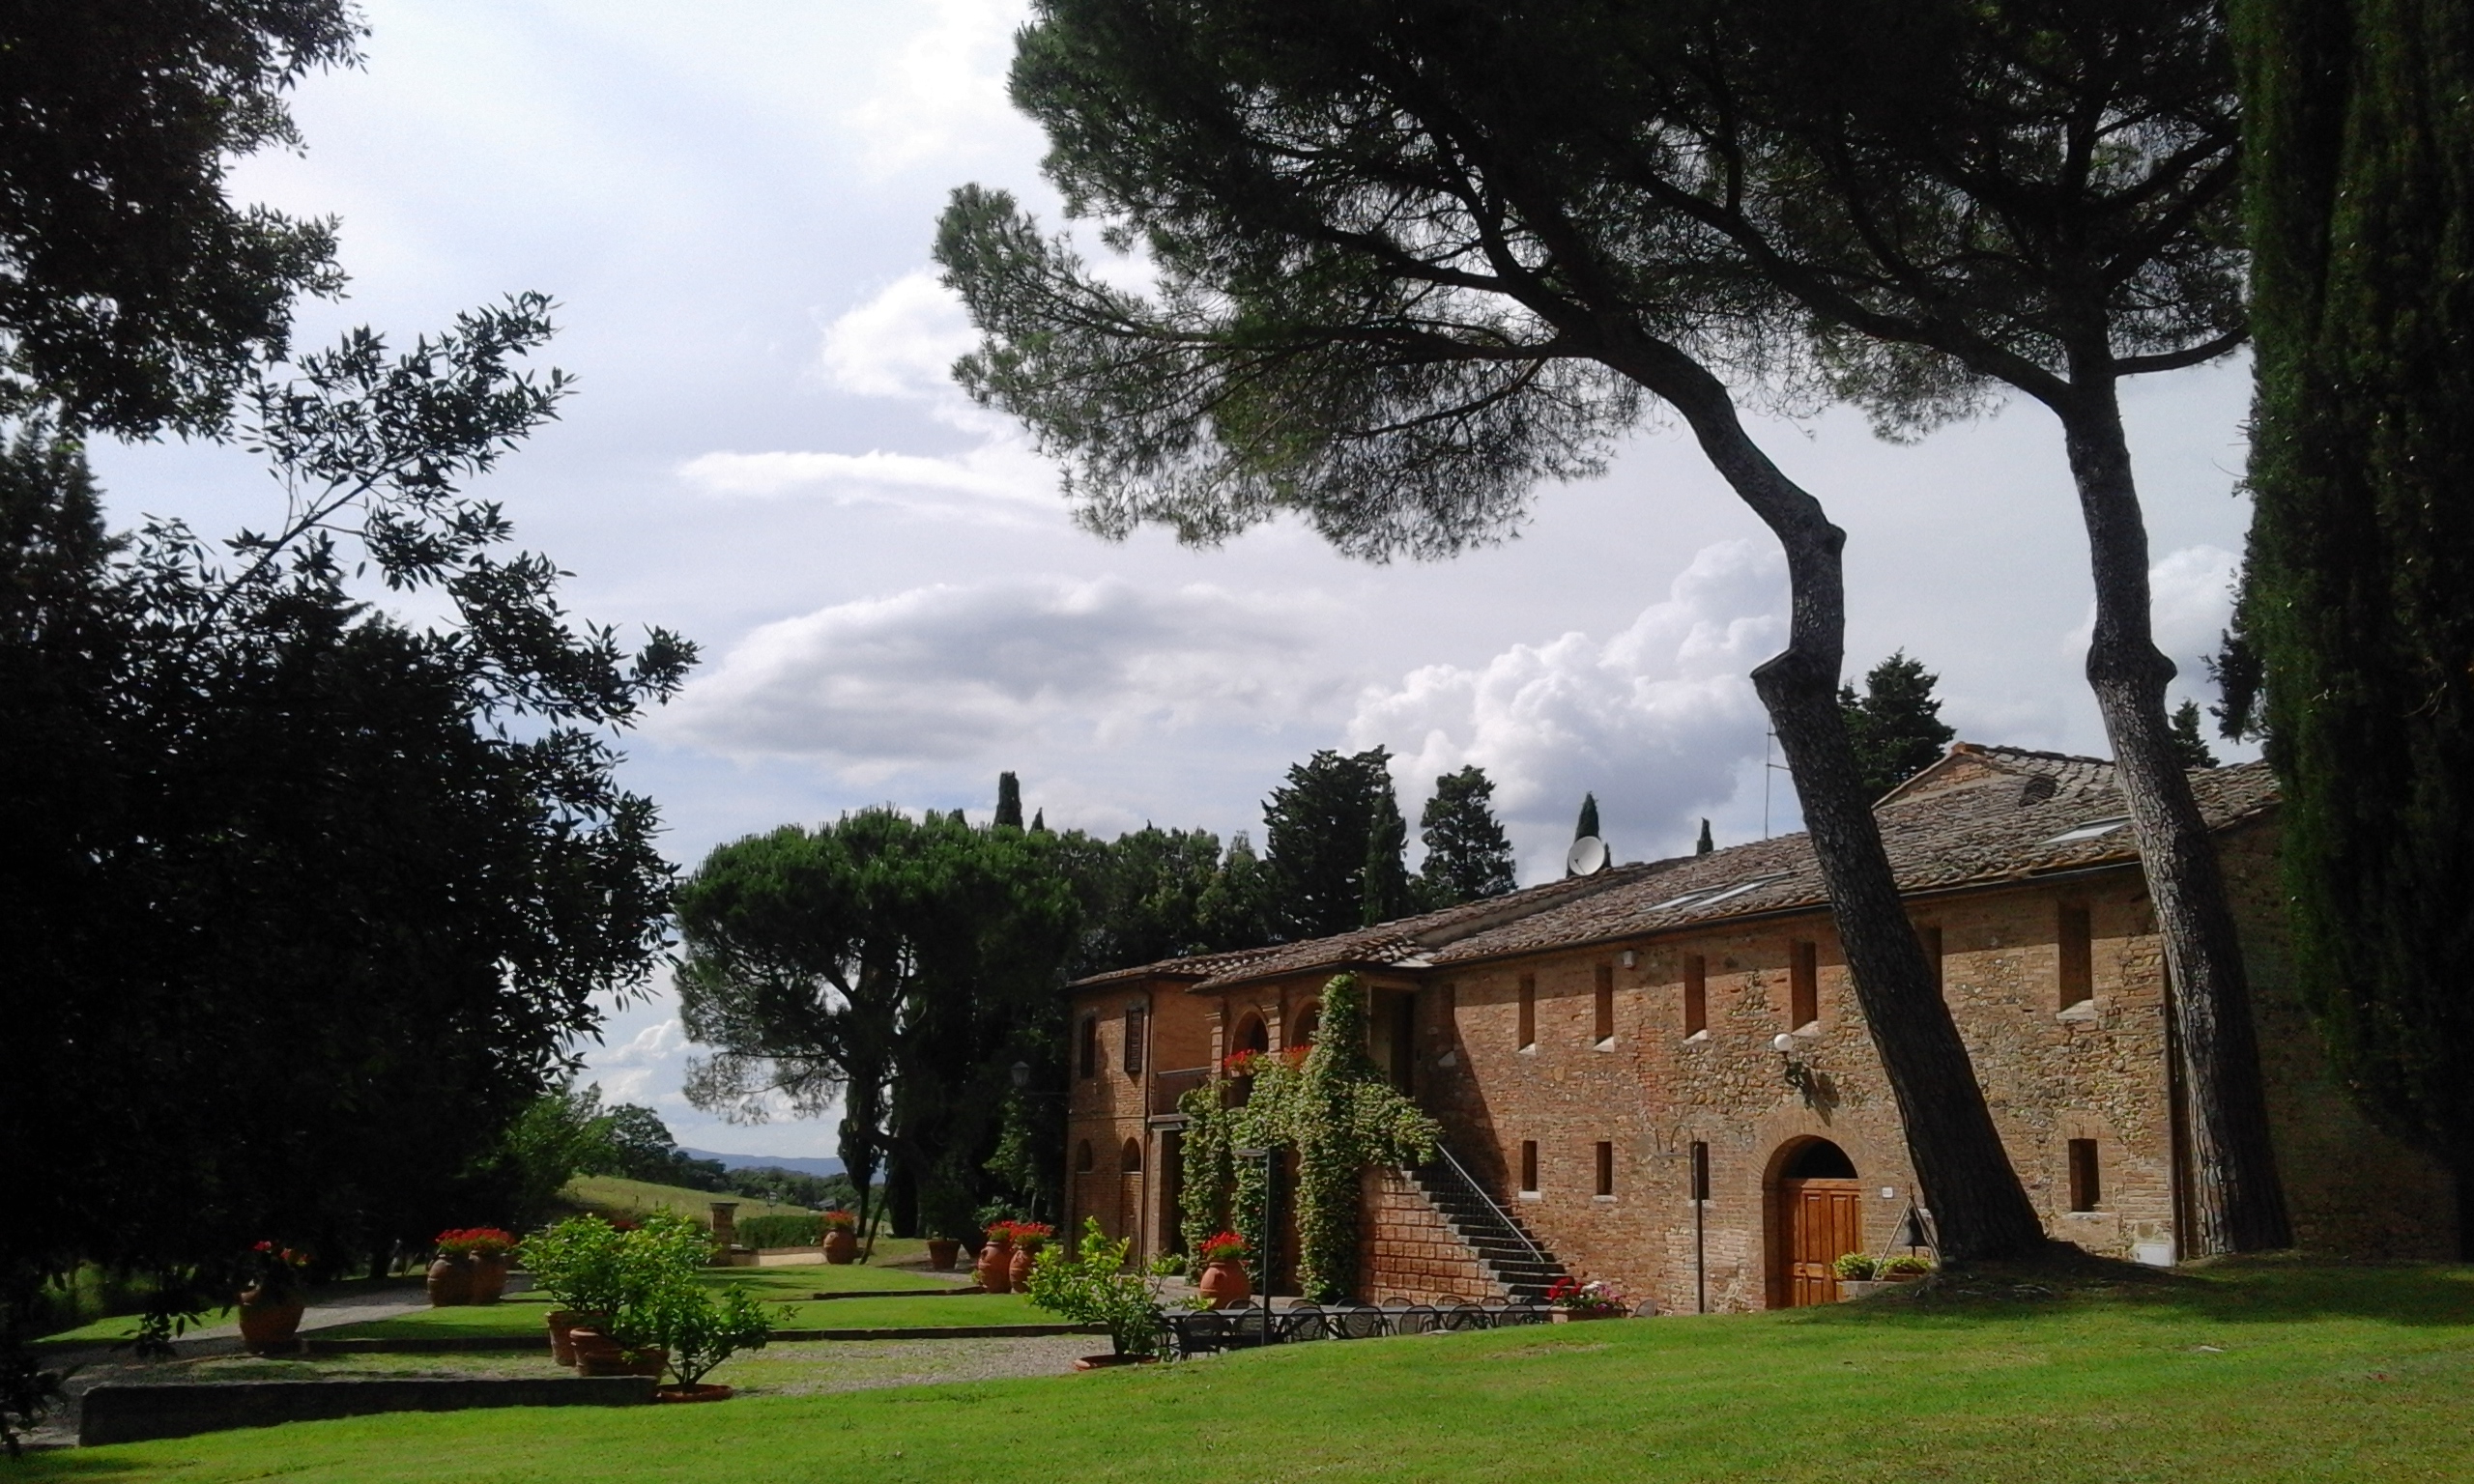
(795, 1165)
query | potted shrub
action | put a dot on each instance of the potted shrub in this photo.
(1224, 1260)
(699, 1333)
(579, 1263)
(841, 1238)
(1575, 1299)
(277, 1295)
(1859, 1275)
(1029, 1237)
(1093, 1287)
(995, 1267)
(657, 1264)
(1906, 1267)
(482, 1252)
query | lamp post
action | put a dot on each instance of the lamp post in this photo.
(1263, 1249)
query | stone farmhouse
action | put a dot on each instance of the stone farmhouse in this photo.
(1603, 1055)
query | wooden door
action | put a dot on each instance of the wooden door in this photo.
(1819, 1219)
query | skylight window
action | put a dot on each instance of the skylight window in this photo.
(2090, 830)
(1714, 894)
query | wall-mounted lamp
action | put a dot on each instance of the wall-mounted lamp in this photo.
(1630, 959)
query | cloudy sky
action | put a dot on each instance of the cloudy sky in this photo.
(733, 203)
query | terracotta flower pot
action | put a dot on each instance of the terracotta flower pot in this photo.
(1225, 1283)
(562, 1348)
(271, 1322)
(450, 1282)
(995, 1267)
(702, 1391)
(1017, 1273)
(841, 1249)
(942, 1252)
(489, 1277)
(598, 1355)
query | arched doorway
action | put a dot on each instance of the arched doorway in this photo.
(1818, 1214)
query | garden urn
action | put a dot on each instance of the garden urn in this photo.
(841, 1249)
(1224, 1284)
(996, 1267)
(450, 1282)
(561, 1323)
(489, 1277)
(942, 1253)
(1017, 1270)
(270, 1321)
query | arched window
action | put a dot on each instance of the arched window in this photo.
(1309, 1021)
(1082, 1157)
(1130, 1158)
(1252, 1034)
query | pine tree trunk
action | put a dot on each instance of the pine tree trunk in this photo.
(1978, 1206)
(2236, 1201)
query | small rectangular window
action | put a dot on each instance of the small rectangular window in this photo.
(1133, 1060)
(2076, 968)
(1696, 995)
(2087, 1192)
(1529, 1166)
(1606, 1169)
(1929, 935)
(1528, 1011)
(1089, 1059)
(1700, 1171)
(1602, 1022)
(1803, 981)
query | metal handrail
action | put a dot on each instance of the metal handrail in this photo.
(1499, 1215)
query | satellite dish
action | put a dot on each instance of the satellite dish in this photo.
(1586, 858)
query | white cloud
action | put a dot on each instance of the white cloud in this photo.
(2190, 603)
(993, 473)
(631, 1071)
(949, 672)
(899, 342)
(944, 91)
(1656, 720)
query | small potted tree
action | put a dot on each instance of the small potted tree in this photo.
(699, 1333)
(657, 1267)
(580, 1264)
(1224, 1280)
(1092, 1287)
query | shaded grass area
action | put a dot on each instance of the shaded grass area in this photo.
(124, 1326)
(2246, 1372)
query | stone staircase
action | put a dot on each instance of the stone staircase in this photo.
(1509, 1252)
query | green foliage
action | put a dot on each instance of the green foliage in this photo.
(1338, 1114)
(1704, 844)
(1087, 1283)
(1895, 725)
(1857, 1266)
(1009, 800)
(1468, 858)
(2190, 748)
(784, 1231)
(1906, 1262)
(2358, 596)
(1586, 826)
(1154, 893)
(134, 294)
(1334, 835)
(656, 1274)
(700, 1333)
(580, 1264)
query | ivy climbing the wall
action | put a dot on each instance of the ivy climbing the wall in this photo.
(1334, 1110)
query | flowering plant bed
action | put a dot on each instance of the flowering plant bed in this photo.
(1224, 1247)
(841, 1220)
(1588, 1298)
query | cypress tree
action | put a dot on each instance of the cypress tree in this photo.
(1704, 844)
(1586, 825)
(1896, 725)
(2359, 587)
(1334, 835)
(1009, 800)
(2188, 744)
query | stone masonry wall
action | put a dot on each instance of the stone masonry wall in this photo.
(1409, 1252)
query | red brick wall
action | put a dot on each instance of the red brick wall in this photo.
(1408, 1251)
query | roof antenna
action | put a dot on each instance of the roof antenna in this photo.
(1767, 768)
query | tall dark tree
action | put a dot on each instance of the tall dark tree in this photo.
(1403, 276)
(1468, 857)
(1896, 723)
(1326, 830)
(1586, 826)
(1009, 802)
(2036, 196)
(1704, 844)
(1154, 893)
(134, 294)
(2360, 579)
(287, 877)
(2190, 745)
(897, 967)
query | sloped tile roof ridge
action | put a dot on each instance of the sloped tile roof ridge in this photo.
(1191, 966)
(2004, 751)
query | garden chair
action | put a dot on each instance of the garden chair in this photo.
(1358, 1322)
(1522, 1314)
(1302, 1323)
(1200, 1333)
(1416, 1319)
(1647, 1308)
(1467, 1316)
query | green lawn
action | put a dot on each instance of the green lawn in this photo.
(613, 1196)
(2258, 1371)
